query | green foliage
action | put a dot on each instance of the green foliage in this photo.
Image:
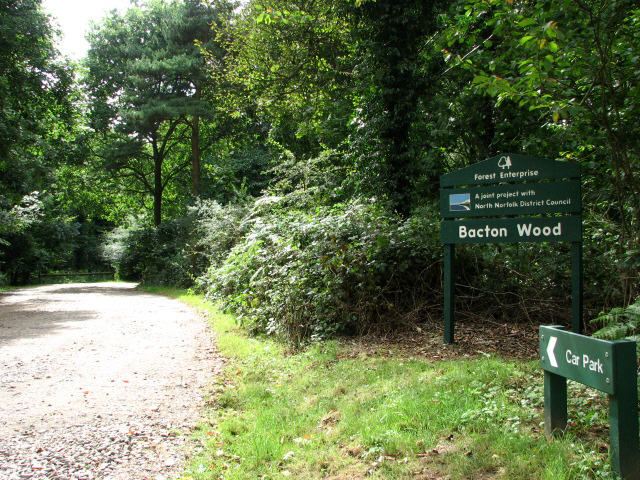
(398, 73)
(37, 237)
(342, 269)
(217, 230)
(574, 66)
(232, 172)
(289, 67)
(311, 107)
(42, 226)
(177, 251)
(144, 84)
(619, 324)
(150, 254)
(35, 106)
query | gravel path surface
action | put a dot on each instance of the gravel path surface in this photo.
(99, 381)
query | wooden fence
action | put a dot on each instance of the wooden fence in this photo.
(61, 275)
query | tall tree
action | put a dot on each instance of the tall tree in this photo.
(144, 82)
(37, 120)
(289, 65)
(35, 110)
(394, 77)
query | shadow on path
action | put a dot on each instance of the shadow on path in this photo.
(39, 311)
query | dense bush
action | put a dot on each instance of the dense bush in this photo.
(177, 251)
(342, 269)
(301, 272)
(216, 230)
(36, 238)
(150, 255)
(312, 272)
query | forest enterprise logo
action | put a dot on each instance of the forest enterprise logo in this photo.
(459, 202)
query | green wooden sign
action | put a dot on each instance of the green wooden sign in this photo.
(584, 359)
(511, 199)
(510, 167)
(604, 365)
(510, 185)
(523, 229)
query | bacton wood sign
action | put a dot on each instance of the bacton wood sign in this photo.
(524, 229)
(512, 198)
(519, 199)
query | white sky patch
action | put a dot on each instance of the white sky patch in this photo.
(73, 17)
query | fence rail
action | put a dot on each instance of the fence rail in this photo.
(74, 274)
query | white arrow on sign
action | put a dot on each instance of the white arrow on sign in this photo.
(550, 347)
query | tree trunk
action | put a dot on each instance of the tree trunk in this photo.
(195, 150)
(157, 185)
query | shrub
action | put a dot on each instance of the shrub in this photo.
(35, 237)
(217, 229)
(176, 252)
(341, 269)
(151, 255)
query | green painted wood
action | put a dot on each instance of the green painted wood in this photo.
(502, 186)
(595, 360)
(522, 229)
(510, 167)
(577, 287)
(555, 404)
(623, 413)
(449, 299)
(511, 199)
(584, 359)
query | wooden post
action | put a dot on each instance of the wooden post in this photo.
(576, 287)
(623, 412)
(449, 299)
(555, 404)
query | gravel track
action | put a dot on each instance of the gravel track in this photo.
(99, 381)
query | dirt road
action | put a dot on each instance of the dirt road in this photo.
(99, 381)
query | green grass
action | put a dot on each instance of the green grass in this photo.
(332, 412)
(10, 288)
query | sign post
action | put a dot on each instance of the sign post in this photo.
(607, 366)
(576, 286)
(449, 299)
(511, 198)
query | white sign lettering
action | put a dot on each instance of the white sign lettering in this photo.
(482, 232)
(585, 361)
(550, 353)
(528, 230)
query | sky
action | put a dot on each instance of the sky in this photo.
(73, 18)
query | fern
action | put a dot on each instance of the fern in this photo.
(619, 324)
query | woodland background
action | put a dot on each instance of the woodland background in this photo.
(284, 156)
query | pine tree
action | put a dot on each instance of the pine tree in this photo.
(145, 84)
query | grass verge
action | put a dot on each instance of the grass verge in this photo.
(333, 412)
